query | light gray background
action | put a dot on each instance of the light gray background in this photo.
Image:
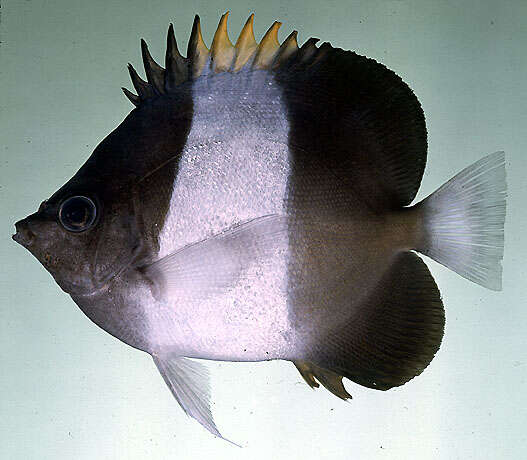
(70, 391)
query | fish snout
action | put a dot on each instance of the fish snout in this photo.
(23, 235)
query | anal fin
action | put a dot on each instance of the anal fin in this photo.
(392, 335)
(330, 380)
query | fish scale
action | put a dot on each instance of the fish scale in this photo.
(221, 163)
(255, 205)
(229, 174)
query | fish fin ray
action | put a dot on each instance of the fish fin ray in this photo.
(222, 51)
(329, 379)
(197, 53)
(356, 127)
(464, 222)
(189, 383)
(245, 45)
(267, 48)
(214, 265)
(393, 335)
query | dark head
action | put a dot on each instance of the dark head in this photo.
(106, 216)
(64, 235)
(109, 213)
(99, 222)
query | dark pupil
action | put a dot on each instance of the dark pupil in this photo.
(77, 213)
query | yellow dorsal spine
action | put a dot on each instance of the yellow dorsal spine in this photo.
(245, 45)
(267, 48)
(222, 57)
(222, 52)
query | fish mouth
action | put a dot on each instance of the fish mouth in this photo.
(23, 235)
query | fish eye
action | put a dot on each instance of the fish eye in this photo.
(77, 213)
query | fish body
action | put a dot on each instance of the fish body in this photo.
(224, 179)
(255, 206)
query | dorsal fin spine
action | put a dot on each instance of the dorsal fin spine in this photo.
(134, 99)
(176, 65)
(288, 48)
(267, 48)
(197, 52)
(221, 51)
(222, 57)
(245, 45)
(144, 90)
(155, 74)
(308, 50)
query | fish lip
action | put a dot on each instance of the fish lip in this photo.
(23, 235)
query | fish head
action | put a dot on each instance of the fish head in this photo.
(93, 227)
(87, 231)
(81, 236)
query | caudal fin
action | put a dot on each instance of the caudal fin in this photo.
(464, 220)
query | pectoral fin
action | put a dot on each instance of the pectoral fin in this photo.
(189, 383)
(214, 265)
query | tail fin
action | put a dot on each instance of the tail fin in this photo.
(464, 219)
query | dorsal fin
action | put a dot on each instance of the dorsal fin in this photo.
(222, 57)
(370, 119)
(355, 126)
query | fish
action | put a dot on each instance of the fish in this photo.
(257, 204)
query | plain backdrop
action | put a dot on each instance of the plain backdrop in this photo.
(70, 391)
